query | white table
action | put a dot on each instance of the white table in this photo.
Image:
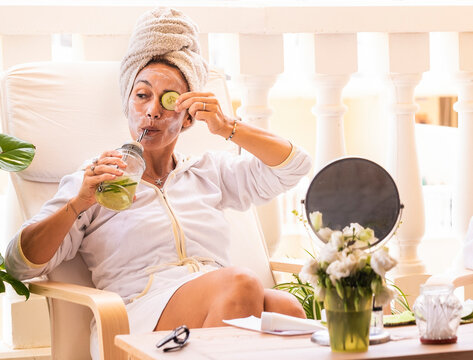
(229, 343)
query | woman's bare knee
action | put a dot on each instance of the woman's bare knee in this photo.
(282, 302)
(244, 289)
(243, 295)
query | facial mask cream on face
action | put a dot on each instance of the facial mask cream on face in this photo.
(271, 321)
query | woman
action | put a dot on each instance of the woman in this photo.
(167, 254)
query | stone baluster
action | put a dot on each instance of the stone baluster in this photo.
(408, 59)
(462, 197)
(463, 189)
(335, 60)
(258, 71)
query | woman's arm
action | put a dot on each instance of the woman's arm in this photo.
(41, 240)
(269, 148)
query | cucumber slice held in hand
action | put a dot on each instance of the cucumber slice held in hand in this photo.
(168, 100)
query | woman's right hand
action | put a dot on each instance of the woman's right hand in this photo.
(107, 167)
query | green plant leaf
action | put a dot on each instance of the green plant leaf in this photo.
(2, 264)
(304, 293)
(310, 254)
(401, 298)
(17, 285)
(15, 154)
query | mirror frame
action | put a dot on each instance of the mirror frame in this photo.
(395, 225)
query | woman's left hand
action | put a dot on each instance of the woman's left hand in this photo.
(205, 107)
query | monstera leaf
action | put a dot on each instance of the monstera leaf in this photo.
(17, 285)
(15, 154)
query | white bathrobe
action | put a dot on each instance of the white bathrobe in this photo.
(176, 233)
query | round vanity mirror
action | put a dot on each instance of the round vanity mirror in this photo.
(354, 190)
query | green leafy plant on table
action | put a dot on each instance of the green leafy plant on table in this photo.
(15, 155)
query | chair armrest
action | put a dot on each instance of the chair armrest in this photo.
(292, 266)
(108, 309)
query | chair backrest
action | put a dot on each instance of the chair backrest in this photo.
(72, 112)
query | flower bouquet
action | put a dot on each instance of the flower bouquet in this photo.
(345, 275)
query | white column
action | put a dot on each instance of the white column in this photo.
(335, 60)
(261, 61)
(408, 59)
(462, 204)
(17, 49)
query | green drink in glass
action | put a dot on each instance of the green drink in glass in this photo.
(118, 194)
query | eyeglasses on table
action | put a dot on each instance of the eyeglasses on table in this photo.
(179, 335)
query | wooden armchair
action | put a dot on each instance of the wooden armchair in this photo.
(72, 112)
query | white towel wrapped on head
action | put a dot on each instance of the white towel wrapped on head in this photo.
(166, 34)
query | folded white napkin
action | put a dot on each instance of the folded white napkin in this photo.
(278, 324)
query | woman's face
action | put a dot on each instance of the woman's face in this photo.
(146, 111)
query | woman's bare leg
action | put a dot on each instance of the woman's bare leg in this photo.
(282, 302)
(205, 301)
(227, 293)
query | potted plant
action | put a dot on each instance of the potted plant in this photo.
(15, 155)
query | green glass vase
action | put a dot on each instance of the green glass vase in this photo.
(348, 319)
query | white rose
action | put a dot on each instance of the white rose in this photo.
(367, 236)
(342, 268)
(361, 258)
(328, 254)
(359, 244)
(337, 270)
(350, 260)
(316, 220)
(325, 233)
(354, 228)
(337, 240)
(381, 261)
(309, 272)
